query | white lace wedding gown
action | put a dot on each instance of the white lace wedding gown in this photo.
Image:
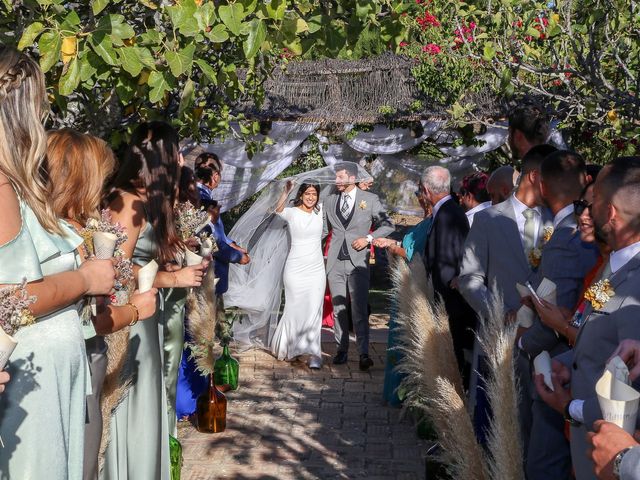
(299, 329)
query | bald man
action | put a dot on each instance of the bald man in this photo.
(501, 183)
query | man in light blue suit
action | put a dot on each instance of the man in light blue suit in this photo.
(497, 253)
(566, 260)
(613, 318)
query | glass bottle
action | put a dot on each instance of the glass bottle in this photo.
(211, 409)
(175, 454)
(227, 369)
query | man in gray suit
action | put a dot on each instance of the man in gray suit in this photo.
(349, 214)
(613, 318)
(566, 260)
(497, 253)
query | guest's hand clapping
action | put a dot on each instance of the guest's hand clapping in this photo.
(4, 378)
(629, 352)
(383, 242)
(99, 276)
(145, 302)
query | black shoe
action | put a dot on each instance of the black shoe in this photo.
(365, 362)
(340, 358)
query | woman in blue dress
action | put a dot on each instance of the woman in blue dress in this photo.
(415, 240)
(42, 410)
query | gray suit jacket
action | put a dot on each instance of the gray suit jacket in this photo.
(566, 260)
(600, 334)
(494, 255)
(630, 466)
(368, 210)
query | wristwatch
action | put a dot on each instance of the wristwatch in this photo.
(617, 461)
(567, 416)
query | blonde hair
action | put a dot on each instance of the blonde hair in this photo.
(23, 142)
(79, 165)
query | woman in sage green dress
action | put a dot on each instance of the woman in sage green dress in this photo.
(79, 165)
(42, 411)
(142, 202)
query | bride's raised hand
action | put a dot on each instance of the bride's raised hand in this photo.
(289, 186)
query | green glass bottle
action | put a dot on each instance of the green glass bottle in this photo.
(175, 454)
(227, 369)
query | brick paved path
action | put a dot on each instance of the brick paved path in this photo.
(289, 422)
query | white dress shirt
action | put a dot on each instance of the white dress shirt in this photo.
(352, 200)
(519, 208)
(562, 214)
(478, 208)
(617, 260)
(620, 258)
(437, 206)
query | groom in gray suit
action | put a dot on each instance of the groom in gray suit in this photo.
(613, 318)
(349, 214)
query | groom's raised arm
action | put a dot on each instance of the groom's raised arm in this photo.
(381, 221)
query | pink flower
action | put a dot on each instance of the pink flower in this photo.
(431, 49)
(403, 44)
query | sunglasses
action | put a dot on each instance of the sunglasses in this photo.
(579, 206)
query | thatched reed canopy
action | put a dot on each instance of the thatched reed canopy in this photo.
(353, 91)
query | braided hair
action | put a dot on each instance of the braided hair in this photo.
(23, 140)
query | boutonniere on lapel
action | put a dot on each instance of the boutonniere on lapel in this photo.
(599, 293)
(535, 257)
(362, 205)
(535, 254)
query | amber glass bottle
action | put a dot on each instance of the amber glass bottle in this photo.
(211, 409)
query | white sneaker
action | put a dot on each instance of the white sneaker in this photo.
(315, 363)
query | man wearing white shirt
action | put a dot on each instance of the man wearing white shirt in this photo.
(349, 214)
(496, 252)
(616, 316)
(443, 253)
(473, 194)
(566, 260)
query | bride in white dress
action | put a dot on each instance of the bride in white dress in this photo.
(299, 329)
(284, 245)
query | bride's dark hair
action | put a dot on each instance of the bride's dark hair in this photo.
(303, 188)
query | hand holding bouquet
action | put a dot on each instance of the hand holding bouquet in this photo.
(14, 315)
(104, 239)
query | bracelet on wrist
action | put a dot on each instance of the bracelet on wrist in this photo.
(135, 314)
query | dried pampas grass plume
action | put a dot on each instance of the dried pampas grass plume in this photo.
(201, 327)
(432, 380)
(463, 457)
(504, 445)
(117, 381)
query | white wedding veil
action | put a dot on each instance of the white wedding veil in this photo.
(255, 289)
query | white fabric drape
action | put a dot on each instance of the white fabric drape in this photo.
(393, 170)
(243, 176)
(384, 141)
